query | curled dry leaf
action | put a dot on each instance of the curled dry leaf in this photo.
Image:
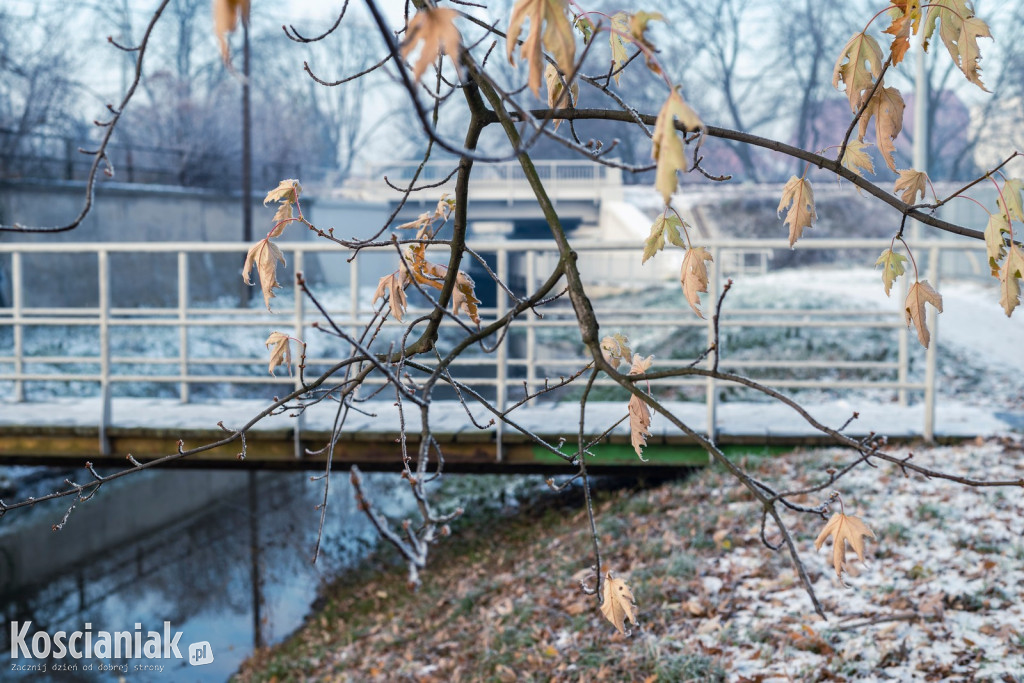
(921, 293)
(667, 148)
(844, 529)
(435, 28)
(910, 183)
(886, 107)
(1009, 280)
(892, 267)
(264, 256)
(556, 36)
(906, 19)
(463, 298)
(639, 413)
(618, 603)
(393, 286)
(286, 192)
(226, 14)
(556, 92)
(798, 201)
(615, 350)
(694, 276)
(959, 30)
(859, 64)
(281, 353)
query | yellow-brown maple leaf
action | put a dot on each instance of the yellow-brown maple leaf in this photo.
(798, 201)
(281, 354)
(618, 603)
(844, 529)
(910, 183)
(959, 30)
(921, 293)
(886, 107)
(264, 256)
(667, 147)
(550, 28)
(1009, 279)
(639, 413)
(556, 91)
(694, 276)
(892, 268)
(857, 159)
(226, 14)
(859, 64)
(393, 286)
(906, 20)
(435, 28)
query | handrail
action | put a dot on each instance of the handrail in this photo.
(526, 361)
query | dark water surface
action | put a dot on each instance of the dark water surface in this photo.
(176, 546)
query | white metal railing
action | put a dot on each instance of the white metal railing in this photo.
(523, 361)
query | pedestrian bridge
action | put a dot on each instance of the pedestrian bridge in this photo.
(117, 376)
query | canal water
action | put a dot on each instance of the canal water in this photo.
(219, 556)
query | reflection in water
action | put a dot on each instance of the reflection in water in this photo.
(175, 546)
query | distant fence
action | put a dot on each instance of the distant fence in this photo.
(171, 346)
(56, 157)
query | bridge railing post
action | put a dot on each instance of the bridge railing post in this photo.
(711, 391)
(17, 302)
(300, 313)
(103, 257)
(183, 393)
(531, 320)
(931, 355)
(501, 372)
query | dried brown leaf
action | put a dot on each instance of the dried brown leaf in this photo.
(886, 107)
(1009, 280)
(921, 293)
(859, 64)
(556, 36)
(844, 529)
(911, 183)
(393, 286)
(281, 354)
(435, 28)
(667, 147)
(226, 14)
(798, 200)
(264, 256)
(694, 276)
(618, 603)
